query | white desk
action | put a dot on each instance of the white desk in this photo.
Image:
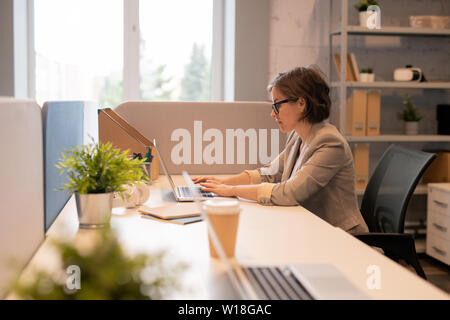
(266, 234)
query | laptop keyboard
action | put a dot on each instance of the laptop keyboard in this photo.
(272, 283)
(185, 192)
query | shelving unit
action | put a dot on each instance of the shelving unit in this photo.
(343, 32)
(400, 138)
(394, 31)
(346, 30)
(393, 84)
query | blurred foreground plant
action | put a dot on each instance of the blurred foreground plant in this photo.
(106, 273)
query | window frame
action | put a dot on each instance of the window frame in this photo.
(131, 56)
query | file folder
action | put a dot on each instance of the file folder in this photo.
(115, 129)
(373, 113)
(361, 162)
(356, 113)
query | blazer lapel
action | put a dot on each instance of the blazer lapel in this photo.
(312, 133)
(290, 161)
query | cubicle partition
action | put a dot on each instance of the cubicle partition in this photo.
(21, 185)
(208, 137)
(66, 124)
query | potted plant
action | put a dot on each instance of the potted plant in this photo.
(96, 267)
(367, 75)
(95, 172)
(362, 6)
(411, 116)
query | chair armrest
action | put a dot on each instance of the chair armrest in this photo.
(395, 246)
(393, 243)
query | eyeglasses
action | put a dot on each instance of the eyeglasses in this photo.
(276, 105)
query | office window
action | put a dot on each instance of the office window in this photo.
(79, 50)
(175, 49)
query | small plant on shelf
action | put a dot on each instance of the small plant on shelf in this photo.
(364, 4)
(367, 75)
(410, 112)
(411, 116)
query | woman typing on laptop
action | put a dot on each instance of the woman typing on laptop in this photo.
(315, 170)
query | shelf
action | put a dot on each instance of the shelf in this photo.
(400, 138)
(421, 189)
(395, 31)
(393, 84)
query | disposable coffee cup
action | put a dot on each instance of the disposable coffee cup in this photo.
(223, 216)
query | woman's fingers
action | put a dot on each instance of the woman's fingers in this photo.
(202, 179)
(208, 184)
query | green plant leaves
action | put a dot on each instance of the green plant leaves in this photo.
(99, 168)
(107, 272)
(410, 113)
(364, 4)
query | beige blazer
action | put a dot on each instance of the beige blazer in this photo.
(322, 181)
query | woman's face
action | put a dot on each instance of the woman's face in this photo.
(289, 112)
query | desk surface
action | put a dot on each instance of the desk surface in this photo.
(267, 235)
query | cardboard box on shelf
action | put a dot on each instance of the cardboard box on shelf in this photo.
(361, 162)
(439, 170)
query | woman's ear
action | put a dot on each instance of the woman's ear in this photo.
(301, 102)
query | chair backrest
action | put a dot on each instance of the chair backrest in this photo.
(391, 186)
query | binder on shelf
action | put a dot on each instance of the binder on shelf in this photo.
(354, 65)
(373, 113)
(356, 113)
(115, 129)
(439, 170)
(352, 68)
(361, 163)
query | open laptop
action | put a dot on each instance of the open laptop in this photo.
(288, 282)
(181, 193)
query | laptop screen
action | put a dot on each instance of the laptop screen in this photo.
(164, 166)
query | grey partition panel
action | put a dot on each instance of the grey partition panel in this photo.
(21, 185)
(208, 137)
(66, 124)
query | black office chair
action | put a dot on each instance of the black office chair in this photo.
(386, 199)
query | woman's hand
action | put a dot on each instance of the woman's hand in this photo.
(218, 188)
(208, 179)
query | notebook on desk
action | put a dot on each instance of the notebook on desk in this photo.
(178, 213)
(281, 282)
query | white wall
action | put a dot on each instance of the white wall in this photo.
(14, 48)
(251, 54)
(298, 35)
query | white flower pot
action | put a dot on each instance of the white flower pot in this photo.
(94, 209)
(363, 77)
(363, 16)
(411, 127)
(366, 77)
